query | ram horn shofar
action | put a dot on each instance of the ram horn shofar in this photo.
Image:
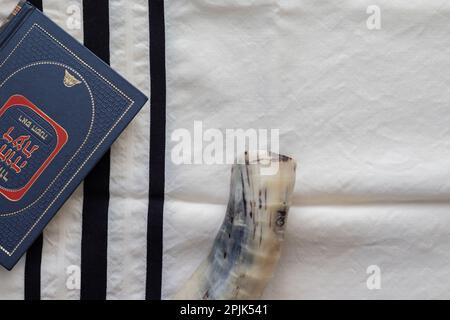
(248, 245)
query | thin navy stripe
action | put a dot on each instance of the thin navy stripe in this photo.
(94, 242)
(157, 150)
(37, 4)
(34, 254)
(33, 270)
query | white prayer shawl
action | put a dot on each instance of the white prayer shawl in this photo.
(360, 95)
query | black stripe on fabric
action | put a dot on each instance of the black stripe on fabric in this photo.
(34, 254)
(36, 3)
(157, 150)
(94, 242)
(33, 270)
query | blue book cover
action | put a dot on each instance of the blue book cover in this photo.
(61, 108)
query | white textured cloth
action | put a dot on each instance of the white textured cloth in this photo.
(365, 113)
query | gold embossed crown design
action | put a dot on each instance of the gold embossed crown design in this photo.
(70, 80)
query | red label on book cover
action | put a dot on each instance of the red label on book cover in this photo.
(29, 141)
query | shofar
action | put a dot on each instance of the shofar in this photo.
(248, 245)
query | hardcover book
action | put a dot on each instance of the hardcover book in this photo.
(61, 108)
